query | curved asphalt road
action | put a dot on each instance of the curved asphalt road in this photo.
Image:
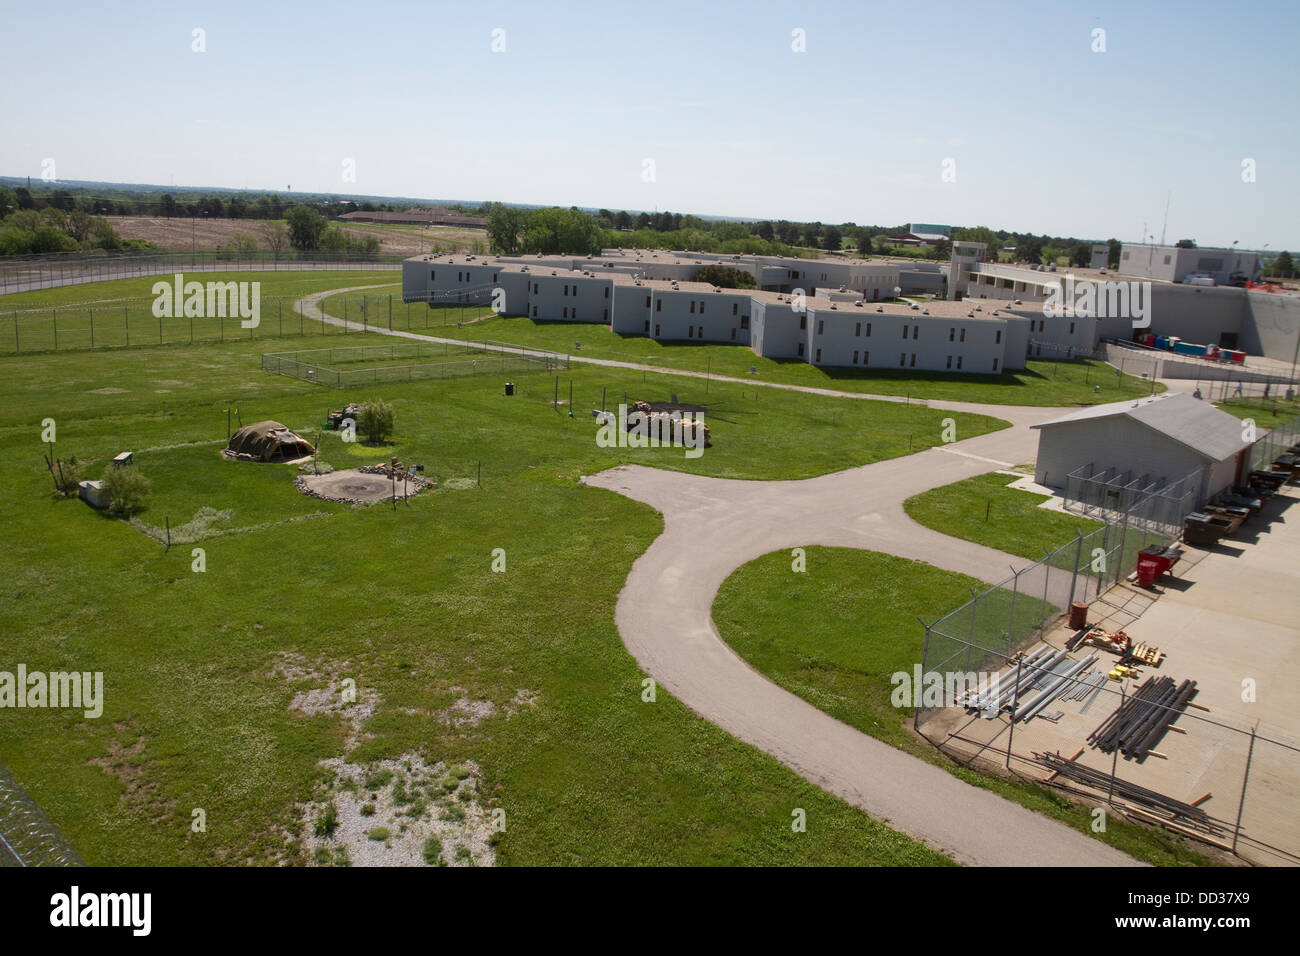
(713, 526)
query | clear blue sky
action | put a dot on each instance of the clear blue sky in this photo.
(1045, 134)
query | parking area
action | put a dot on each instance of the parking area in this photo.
(1229, 619)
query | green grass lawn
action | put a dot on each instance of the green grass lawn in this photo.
(1042, 383)
(984, 510)
(824, 636)
(1267, 412)
(120, 313)
(402, 600)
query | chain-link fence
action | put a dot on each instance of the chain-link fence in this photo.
(135, 322)
(1214, 776)
(27, 837)
(1111, 494)
(1273, 444)
(408, 361)
(29, 273)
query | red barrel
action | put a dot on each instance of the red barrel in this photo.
(1078, 616)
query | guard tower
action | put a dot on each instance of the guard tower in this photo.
(965, 256)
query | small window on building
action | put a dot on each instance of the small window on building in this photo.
(1166, 260)
(659, 305)
(866, 358)
(821, 326)
(1071, 328)
(433, 273)
(494, 277)
(913, 362)
(701, 308)
(735, 308)
(801, 350)
(607, 292)
(605, 315)
(733, 335)
(916, 331)
(959, 361)
(902, 359)
(995, 365)
(997, 337)
(963, 336)
(952, 335)
(949, 365)
(647, 322)
(692, 307)
(803, 321)
(656, 330)
(566, 311)
(690, 331)
(534, 312)
(868, 330)
(744, 322)
(819, 356)
(857, 330)
(855, 358)
(647, 302)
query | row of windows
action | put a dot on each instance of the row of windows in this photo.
(460, 276)
(903, 358)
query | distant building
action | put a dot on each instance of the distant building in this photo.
(1174, 264)
(922, 234)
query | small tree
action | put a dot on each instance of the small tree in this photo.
(126, 489)
(1283, 267)
(376, 421)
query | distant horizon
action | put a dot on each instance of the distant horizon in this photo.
(360, 197)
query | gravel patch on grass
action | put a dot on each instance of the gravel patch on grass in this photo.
(398, 812)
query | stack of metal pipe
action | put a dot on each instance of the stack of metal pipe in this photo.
(1139, 723)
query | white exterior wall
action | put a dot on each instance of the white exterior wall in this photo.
(1115, 442)
(776, 331)
(570, 297)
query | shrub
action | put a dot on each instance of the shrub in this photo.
(378, 834)
(67, 474)
(367, 809)
(433, 852)
(126, 489)
(328, 821)
(376, 421)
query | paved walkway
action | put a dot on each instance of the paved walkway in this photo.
(713, 526)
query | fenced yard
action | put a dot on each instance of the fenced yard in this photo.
(408, 362)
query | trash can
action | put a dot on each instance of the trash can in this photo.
(1078, 616)
(1147, 571)
(510, 388)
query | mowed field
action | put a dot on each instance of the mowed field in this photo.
(220, 682)
(182, 234)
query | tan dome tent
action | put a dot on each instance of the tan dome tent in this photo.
(267, 441)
